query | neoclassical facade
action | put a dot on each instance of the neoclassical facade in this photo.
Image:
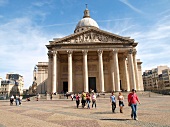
(92, 58)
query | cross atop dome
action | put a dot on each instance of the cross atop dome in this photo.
(86, 13)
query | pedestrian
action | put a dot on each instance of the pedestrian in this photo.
(11, 100)
(113, 102)
(132, 102)
(77, 100)
(17, 100)
(93, 99)
(72, 97)
(51, 96)
(38, 96)
(83, 99)
(88, 100)
(121, 104)
(20, 100)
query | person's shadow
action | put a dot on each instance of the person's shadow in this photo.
(117, 119)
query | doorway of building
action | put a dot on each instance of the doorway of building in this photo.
(92, 83)
(65, 87)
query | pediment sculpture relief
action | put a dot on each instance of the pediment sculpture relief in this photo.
(93, 37)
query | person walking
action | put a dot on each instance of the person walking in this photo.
(77, 100)
(17, 100)
(121, 104)
(11, 100)
(51, 96)
(93, 99)
(83, 100)
(88, 100)
(132, 102)
(113, 102)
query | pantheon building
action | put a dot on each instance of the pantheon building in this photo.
(91, 58)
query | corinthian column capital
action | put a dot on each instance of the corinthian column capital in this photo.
(50, 54)
(84, 52)
(130, 51)
(99, 52)
(54, 52)
(70, 52)
(115, 51)
(134, 52)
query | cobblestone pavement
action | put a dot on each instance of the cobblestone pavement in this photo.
(154, 111)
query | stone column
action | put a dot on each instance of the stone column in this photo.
(116, 70)
(101, 74)
(70, 76)
(131, 70)
(54, 86)
(85, 71)
(126, 73)
(136, 70)
(112, 74)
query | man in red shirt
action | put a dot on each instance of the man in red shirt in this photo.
(133, 99)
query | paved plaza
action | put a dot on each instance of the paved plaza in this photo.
(154, 111)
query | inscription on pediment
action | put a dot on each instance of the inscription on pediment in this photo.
(93, 37)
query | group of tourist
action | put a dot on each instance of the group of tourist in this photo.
(17, 99)
(132, 102)
(87, 98)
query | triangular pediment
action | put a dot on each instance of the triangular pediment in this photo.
(92, 35)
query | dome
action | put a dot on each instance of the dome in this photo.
(86, 22)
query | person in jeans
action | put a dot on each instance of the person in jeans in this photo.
(93, 99)
(88, 100)
(113, 102)
(132, 100)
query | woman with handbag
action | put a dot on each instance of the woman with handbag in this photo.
(132, 101)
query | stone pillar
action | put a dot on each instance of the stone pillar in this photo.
(116, 70)
(54, 86)
(85, 71)
(131, 70)
(112, 74)
(126, 73)
(70, 76)
(101, 74)
(49, 81)
(136, 70)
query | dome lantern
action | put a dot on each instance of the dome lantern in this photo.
(86, 22)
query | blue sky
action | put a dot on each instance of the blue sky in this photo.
(26, 26)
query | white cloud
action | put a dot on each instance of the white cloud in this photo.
(153, 47)
(22, 46)
(132, 7)
(42, 3)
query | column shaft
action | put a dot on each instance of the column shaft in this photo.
(131, 71)
(136, 70)
(85, 71)
(101, 74)
(54, 86)
(126, 74)
(116, 70)
(70, 76)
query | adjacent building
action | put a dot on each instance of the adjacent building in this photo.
(12, 85)
(40, 75)
(156, 78)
